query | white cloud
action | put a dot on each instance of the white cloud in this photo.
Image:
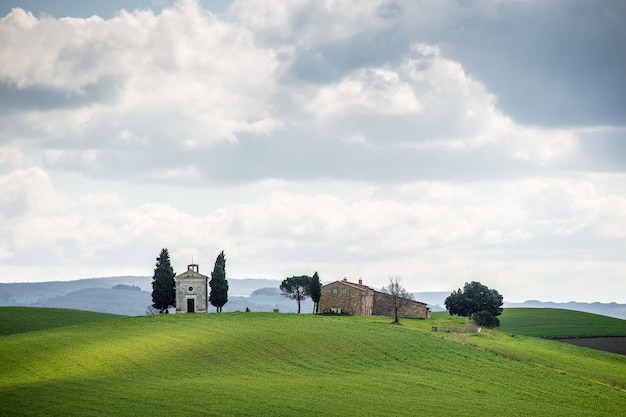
(367, 91)
(194, 78)
(432, 234)
(168, 86)
(337, 136)
(13, 156)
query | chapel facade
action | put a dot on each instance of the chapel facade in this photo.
(192, 291)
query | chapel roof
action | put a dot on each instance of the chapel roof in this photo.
(191, 272)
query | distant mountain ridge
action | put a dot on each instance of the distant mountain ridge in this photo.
(436, 302)
(257, 294)
(131, 295)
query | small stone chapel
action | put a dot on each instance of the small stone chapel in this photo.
(192, 291)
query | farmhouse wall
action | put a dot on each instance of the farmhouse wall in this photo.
(346, 297)
(384, 306)
(361, 300)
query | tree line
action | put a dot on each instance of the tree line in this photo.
(475, 301)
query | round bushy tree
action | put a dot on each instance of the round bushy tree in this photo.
(475, 297)
(485, 319)
(297, 288)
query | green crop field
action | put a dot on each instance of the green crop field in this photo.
(266, 364)
(559, 323)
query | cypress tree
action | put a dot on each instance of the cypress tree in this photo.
(163, 283)
(315, 290)
(218, 283)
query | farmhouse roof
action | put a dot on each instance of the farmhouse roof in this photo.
(359, 286)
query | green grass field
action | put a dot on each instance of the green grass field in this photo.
(558, 323)
(265, 364)
(27, 319)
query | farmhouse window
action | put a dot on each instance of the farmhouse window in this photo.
(344, 291)
(334, 290)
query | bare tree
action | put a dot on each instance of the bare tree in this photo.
(400, 297)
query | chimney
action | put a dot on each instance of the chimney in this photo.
(360, 281)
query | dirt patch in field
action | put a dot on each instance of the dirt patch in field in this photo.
(607, 344)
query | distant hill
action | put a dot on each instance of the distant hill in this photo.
(103, 300)
(604, 309)
(436, 302)
(132, 297)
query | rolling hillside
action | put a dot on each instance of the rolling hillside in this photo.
(558, 323)
(27, 319)
(283, 365)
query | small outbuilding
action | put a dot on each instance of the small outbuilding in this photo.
(192, 291)
(360, 300)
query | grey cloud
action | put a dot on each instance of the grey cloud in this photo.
(330, 62)
(39, 98)
(603, 150)
(77, 8)
(556, 63)
(309, 158)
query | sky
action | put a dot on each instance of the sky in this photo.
(441, 142)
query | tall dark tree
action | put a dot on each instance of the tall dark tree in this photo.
(163, 283)
(218, 283)
(473, 299)
(315, 290)
(296, 288)
(400, 297)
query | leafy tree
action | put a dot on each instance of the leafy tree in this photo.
(485, 319)
(474, 298)
(296, 288)
(218, 283)
(315, 290)
(163, 284)
(400, 297)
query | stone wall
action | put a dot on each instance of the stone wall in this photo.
(198, 292)
(342, 297)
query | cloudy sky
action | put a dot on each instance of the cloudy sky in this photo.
(442, 142)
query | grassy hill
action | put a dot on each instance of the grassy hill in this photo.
(283, 365)
(559, 323)
(27, 319)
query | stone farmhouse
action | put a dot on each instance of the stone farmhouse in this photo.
(192, 291)
(360, 300)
